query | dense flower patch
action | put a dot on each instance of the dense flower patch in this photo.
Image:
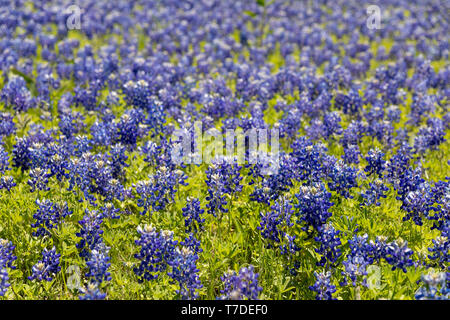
(94, 204)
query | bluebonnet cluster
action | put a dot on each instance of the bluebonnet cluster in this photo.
(418, 203)
(159, 253)
(434, 287)
(323, 286)
(4, 160)
(7, 182)
(330, 242)
(7, 259)
(360, 114)
(398, 255)
(269, 187)
(48, 216)
(16, 94)
(313, 204)
(192, 213)
(109, 211)
(277, 227)
(377, 190)
(94, 251)
(90, 233)
(343, 178)
(4, 278)
(38, 180)
(440, 251)
(98, 264)
(7, 125)
(357, 261)
(222, 178)
(241, 286)
(92, 292)
(157, 192)
(157, 249)
(185, 272)
(375, 162)
(47, 268)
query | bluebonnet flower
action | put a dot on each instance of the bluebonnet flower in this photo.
(355, 270)
(128, 127)
(343, 178)
(40, 154)
(104, 132)
(16, 94)
(329, 241)
(117, 160)
(440, 212)
(137, 93)
(290, 124)
(323, 286)
(313, 204)
(152, 152)
(351, 154)
(378, 248)
(4, 278)
(90, 233)
(398, 163)
(157, 249)
(350, 103)
(399, 255)
(48, 216)
(354, 133)
(409, 180)
(86, 96)
(418, 203)
(332, 124)
(21, 153)
(376, 191)
(7, 125)
(113, 189)
(316, 130)
(7, 258)
(38, 180)
(440, 252)
(434, 287)
(275, 226)
(98, 264)
(48, 267)
(356, 263)
(421, 104)
(307, 158)
(7, 182)
(222, 179)
(57, 165)
(272, 186)
(430, 137)
(71, 123)
(109, 211)
(4, 160)
(185, 272)
(193, 215)
(359, 245)
(192, 243)
(375, 162)
(243, 285)
(92, 292)
(157, 192)
(393, 113)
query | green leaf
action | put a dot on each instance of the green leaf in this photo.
(250, 13)
(261, 3)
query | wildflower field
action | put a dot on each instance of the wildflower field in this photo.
(213, 149)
